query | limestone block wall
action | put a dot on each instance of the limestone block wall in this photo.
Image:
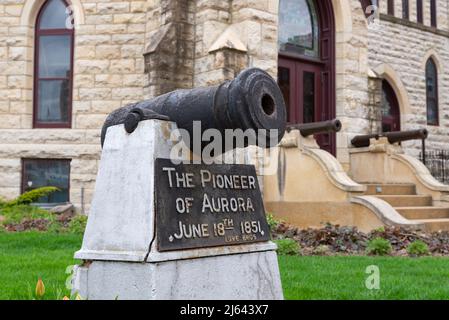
(352, 94)
(129, 50)
(233, 35)
(398, 51)
(108, 73)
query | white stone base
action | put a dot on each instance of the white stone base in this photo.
(248, 276)
(120, 250)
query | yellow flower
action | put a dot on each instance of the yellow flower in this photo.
(78, 297)
(65, 298)
(40, 288)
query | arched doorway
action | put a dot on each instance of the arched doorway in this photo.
(391, 117)
(306, 69)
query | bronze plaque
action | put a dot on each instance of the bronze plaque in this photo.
(199, 206)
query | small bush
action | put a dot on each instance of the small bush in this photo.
(56, 227)
(78, 224)
(418, 248)
(380, 229)
(31, 196)
(322, 250)
(272, 222)
(18, 213)
(287, 247)
(379, 247)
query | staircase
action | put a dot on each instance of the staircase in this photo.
(418, 208)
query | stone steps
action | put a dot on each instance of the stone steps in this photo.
(423, 212)
(407, 200)
(416, 208)
(390, 189)
(432, 225)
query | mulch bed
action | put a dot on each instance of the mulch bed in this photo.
(38, 224)
(335, 239)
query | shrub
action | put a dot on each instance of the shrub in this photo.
(379, 247)
(322, 250)
(418, 248)
(78, 224)
(31, 196)
(18, 213)
(380, 229)
(287, 247)
(2, 202)
(272, 222)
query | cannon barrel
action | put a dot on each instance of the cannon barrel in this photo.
(308, 129)
(393, 137)
(252, 100)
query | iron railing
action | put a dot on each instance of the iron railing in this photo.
(437, 161)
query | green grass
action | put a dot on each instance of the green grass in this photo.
(344, 278)
(24, 257)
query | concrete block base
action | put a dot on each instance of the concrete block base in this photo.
(246, 276)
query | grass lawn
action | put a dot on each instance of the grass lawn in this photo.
(344, 278)
(24, 257)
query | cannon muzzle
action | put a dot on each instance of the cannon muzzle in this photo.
(393, 137)
(252, 100)
(308, 129)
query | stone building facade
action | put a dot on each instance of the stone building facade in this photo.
(125, 51)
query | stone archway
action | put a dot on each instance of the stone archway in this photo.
(386, 72)
(31, 9)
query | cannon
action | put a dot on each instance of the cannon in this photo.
(252, 100)
(393, 137)
(308, 129)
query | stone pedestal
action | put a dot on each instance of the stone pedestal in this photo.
(121, 258)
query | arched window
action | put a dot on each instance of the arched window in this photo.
(298, 28)
(432, 92)
(53, 66)
(391, 119)
(306, 65)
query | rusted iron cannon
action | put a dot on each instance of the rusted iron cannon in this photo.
(252, 100)
(308, 129)
(393, 137)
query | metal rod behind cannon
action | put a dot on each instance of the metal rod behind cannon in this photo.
(393, 137)
(308, 129)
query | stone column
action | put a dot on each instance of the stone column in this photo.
(170, 46)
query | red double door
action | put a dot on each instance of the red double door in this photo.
(301, 83)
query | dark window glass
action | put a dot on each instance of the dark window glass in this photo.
(309, 97)
(432, 92)
(43, 173)
(298, 27)
(390, 109)
(419, 11)
(284, 85)
(433, 13)
(405, 9)
(53, 101)
(390, 7)
(53, 71)
(54, 56)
